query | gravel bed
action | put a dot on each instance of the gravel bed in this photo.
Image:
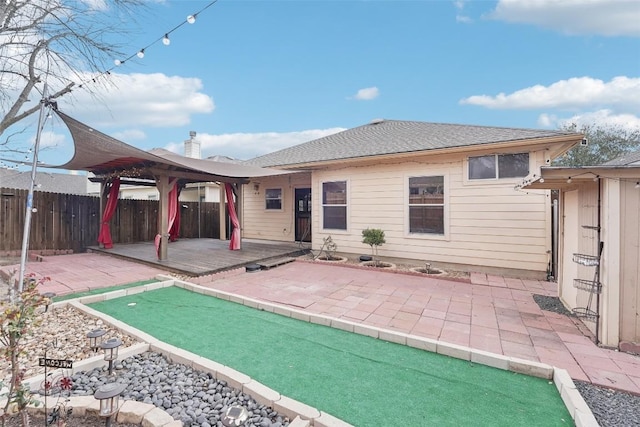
(611, 408)
(194, 397)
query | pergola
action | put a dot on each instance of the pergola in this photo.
(110, 159)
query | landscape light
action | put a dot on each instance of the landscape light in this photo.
(109, 397)
(110, 348)
(95, 339)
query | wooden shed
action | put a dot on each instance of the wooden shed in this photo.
(599, 255)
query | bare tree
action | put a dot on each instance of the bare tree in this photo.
(65, 42)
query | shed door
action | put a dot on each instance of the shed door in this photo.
(303, 215)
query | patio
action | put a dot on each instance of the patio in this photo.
(200, 257)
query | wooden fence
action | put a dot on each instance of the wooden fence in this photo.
(72, 222)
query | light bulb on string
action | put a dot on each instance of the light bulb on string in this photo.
(191, 19)
(637, 184)
(596, 178)
(166, 40)
(542, 180)
(140, 54)
(117, 62)
(569, 180)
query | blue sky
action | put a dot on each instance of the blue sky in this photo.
(251, 77)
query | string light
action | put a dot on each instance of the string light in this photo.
(596, 178)
(638, 184)
(569, 180)
(191, 19)
(541, 180)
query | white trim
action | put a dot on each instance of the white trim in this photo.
(445, 212)
(322, 206)
(282, 200)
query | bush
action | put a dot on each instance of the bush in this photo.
(373, 237)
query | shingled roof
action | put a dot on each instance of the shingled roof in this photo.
(384, 137)
(627, 159)
(45, 181)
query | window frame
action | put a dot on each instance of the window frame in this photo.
(496, 162)
(267, 199)
(445, 207)
(325, 205)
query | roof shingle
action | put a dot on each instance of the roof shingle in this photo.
(394, 137)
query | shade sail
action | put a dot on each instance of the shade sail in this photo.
(101, 154)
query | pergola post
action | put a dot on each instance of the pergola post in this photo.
(239, 209)
(162, 182)
(103, 204)
(223, 212)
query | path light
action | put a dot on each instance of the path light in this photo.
(48, 297)
(234, 416)
(95, 339)
(110, 348)
(109, 397)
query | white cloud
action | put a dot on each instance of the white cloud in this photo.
(464, 19)
(154, 100)
(366, 94)
(248, 145)
(50, 139)
(604, 17)
(130, 135)
(604, 118)
(579, 92)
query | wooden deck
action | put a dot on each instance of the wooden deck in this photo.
(199, 257)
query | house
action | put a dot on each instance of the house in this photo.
(193, 192)
(49, 182)
(599, 240)
(442, 193)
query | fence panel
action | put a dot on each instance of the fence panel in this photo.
(69, 221)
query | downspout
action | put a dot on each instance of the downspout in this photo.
(598, 268)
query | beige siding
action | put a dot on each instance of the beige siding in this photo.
(260, 223)
(569, 242)
(487, 223)
(630, 262)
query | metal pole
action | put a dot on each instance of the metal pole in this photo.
(27, 217)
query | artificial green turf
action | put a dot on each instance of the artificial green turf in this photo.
(362, 380)
(103, 290)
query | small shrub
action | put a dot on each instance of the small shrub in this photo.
(373, 237)
(17, 318)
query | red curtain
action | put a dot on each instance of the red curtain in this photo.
(234, 244)
(173, 227)
(174, 213)
(105, 232)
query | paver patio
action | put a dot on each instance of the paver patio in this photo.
(490, 313)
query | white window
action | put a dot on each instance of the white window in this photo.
(334, 205)
(273, 198)
(499, 166)
(426, 204)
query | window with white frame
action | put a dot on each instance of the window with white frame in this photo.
(426, 204)
(273, 198)
(499, 166)
(334, 205)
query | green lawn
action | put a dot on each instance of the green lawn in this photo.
(362, 380)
